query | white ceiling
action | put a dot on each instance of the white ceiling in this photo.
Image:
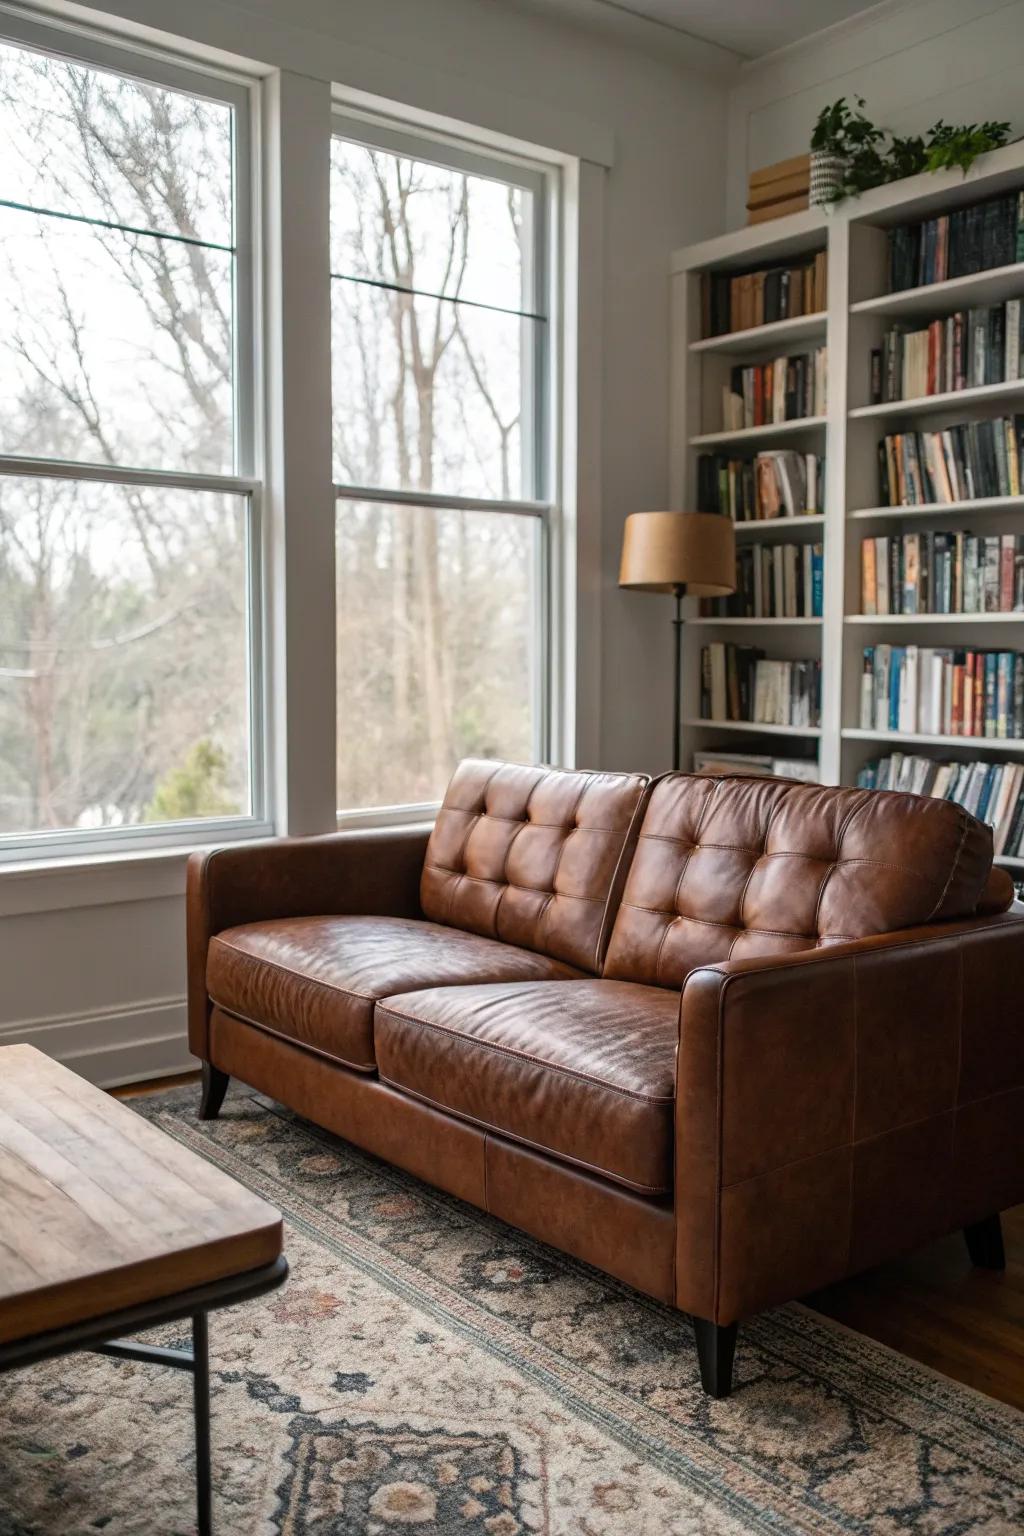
(748, 27)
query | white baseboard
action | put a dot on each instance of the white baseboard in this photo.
(112, 1046)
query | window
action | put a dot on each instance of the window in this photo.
(128, 516)
(440, 358)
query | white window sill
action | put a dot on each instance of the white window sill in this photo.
(93, 879)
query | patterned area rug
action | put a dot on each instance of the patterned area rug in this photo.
(429, 1370)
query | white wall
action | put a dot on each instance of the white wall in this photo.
(100, 981)
(913, 61)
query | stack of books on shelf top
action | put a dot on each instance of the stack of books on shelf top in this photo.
(994, 792)
(966, 350)
(943, 573)
(739, 301)
(758, 765)
(972, 460)
(974, 239)
(932, 691)
(774, 190)
(773, 581)
(778, 484)
(738, 683)
(785, 389)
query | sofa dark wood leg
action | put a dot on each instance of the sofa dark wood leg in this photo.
(716, 1346)
(985, 1243)
(215, 1086)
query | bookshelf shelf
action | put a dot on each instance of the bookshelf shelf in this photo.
(760, 434)
(935, 618)
(935, 300)
(980, 394)
(1009, 504)
(912, 739)
(760, 338)
(766, 526)
(752, 728)
(854, 234)
(744, 623)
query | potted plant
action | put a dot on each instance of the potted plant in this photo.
(843, 138)
(960, 145)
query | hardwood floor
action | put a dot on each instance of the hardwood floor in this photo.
(933, 1305)
(936, 1307)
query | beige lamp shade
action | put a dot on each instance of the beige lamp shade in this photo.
(662, 551)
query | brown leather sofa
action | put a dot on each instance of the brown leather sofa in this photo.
(727, 1039)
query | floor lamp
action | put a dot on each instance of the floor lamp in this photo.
(690, 554)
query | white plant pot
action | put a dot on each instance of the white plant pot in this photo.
(827, 172)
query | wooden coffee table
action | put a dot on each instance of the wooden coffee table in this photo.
(108, 1226)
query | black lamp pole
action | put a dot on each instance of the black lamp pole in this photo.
(678, 592)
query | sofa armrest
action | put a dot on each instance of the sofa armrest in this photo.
(373, 872)
(837, 1106)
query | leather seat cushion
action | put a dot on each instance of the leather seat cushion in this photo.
(314, 980)
(582, 1070)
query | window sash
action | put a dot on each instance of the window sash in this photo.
(541, 683)
(145, 66)
(539, 426)
(440, 151)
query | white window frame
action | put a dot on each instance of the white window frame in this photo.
(543, 433)
(149, 66)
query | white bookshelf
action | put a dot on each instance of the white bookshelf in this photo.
(859, 310)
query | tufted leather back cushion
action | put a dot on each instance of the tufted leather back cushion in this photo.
(734, 867)
(534, 856)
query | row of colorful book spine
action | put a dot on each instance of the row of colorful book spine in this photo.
(962, 351)
(973, 459)
(783, 389)
(773, 581)
(942, 572)
(739, 683)
(993, 792)
(941, 691)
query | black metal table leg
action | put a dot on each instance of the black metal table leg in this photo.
(201, 1404)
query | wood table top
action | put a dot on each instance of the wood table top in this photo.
(99, 1210)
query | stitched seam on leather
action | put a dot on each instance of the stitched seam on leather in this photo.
(956, 860)
(960, 1025)
(710, 922)
(620, 874)
(985, 1098)
(823, 955)
(719, 1150)
(558, 826)
(510, 885)
(542, 926)
(549, 1066)
(853, 1113)
(743, 928)
(287, 970)
(865, 1141)
(675, 895)
(474, 818)
(524, 1141)
(302, 1045)
(504, 881)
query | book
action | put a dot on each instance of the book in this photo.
(739, 683)
(738, 301)
(976, 238)
(780, 483)
(773, 581)
(969, 460)
(784, 389)
(942, 572)
(994, 792)
(961, 351)
(942, 691)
